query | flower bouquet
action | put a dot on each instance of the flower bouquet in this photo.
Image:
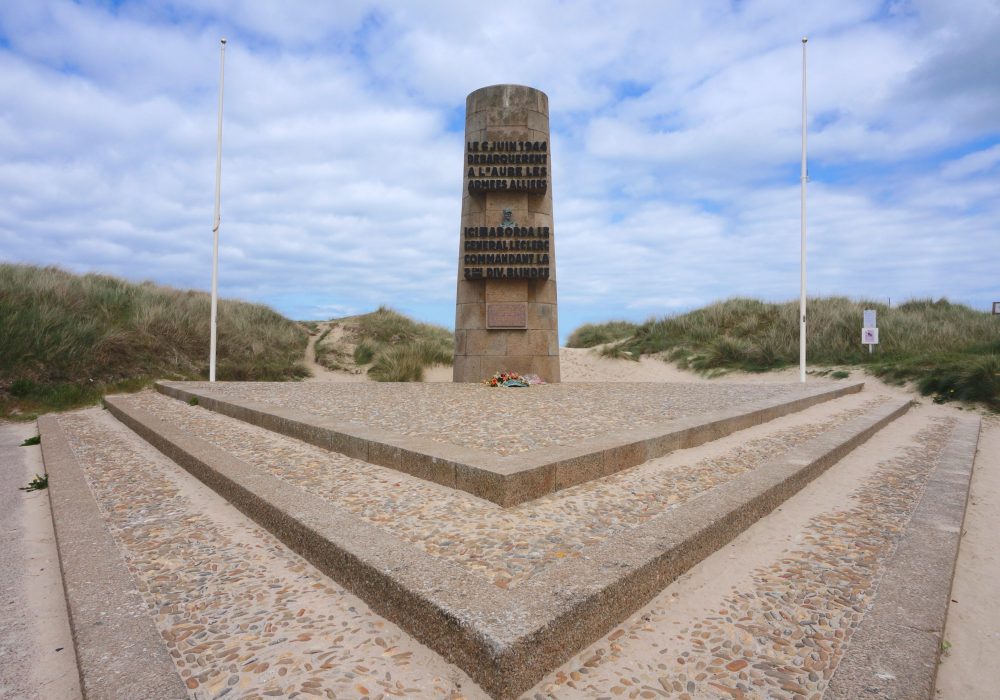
(506, 378)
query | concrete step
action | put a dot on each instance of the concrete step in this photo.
(173, 593)
(842, 592)
(506, 446)
(506, 594)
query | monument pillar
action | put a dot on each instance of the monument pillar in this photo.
(505, 316)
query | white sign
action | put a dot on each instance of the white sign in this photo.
(869, 319)
(869, 336)
(996, 308)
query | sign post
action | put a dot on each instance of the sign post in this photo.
(869, 331)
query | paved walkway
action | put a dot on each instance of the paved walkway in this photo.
(241, 614)
(770, 615)
(502, 421)
(36, 649)
(505, 546)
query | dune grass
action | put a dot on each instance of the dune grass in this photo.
(388, 345)
(67, 339)
(590, 334)
(950, 350)
(399, 348)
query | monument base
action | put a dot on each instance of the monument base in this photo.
(506, 325)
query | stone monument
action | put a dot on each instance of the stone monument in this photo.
(505, 316)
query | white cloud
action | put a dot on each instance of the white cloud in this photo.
(972, 163)
(676, 138)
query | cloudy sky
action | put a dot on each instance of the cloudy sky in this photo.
(675, 145)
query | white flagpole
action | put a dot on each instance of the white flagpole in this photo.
(802, 285)
(215, 220)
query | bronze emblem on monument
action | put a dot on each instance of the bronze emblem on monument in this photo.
(508, 219)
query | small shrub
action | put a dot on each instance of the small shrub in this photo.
(193, 401)
(36, 440)
(617, 352)
(37, 484)
(364, 352)
(968, 379)
(840, 374)
(21, 388)
(401, 363)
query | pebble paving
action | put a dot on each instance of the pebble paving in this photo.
(242, 615)
(505, 546)
(498, 420)
(783, 635)
(245, 617)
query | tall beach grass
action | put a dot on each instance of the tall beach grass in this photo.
(949, 350)
(399, 348)
(65, 338)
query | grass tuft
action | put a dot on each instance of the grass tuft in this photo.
(397, 347)
(364, 352)
(36, 484)
(590, 334)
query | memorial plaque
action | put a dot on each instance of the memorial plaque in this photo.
(507, 315)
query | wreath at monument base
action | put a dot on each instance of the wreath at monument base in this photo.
(512, 379)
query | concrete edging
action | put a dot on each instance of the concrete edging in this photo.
(506, 640)
(119, 651)
(895, 652)
(506, 481)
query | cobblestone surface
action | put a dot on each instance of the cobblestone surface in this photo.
(783, 636)
(502, 421)
(506, 546)
(242, 615)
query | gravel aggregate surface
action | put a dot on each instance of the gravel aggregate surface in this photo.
(499, 420)
(505, 546)
(245, 617)
(241, 614)
(782, 635)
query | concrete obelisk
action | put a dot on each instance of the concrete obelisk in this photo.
(505, 317)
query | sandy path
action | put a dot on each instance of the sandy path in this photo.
(584, 365)
(321, 373)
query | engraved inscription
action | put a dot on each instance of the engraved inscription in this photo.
(507, 166)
